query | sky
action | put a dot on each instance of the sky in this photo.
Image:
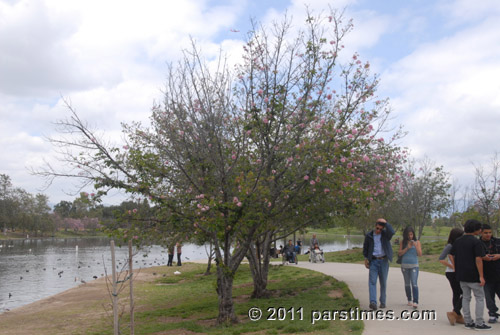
(438, 62)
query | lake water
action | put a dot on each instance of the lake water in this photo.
(34, 269)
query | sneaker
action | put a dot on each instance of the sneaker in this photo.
(493, 319)
(373, 306)
(484, 326)
(471, 325)
(415, 305)
(410, 303)
(381, 305)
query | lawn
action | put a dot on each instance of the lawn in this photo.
(187, 304)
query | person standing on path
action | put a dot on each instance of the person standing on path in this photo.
(454, 316)
(377, 251)
(491, 269)
(410, 249)
(467, 258)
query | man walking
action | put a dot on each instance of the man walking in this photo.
(491, 269)
(466, 256)
(377, 251)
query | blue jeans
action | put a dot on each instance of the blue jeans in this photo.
(379, 268)
(411, 277)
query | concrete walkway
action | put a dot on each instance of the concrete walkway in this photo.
(435, 295)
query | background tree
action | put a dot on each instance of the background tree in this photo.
(422, 195)
(486, 191)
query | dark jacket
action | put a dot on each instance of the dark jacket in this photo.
(369, 244)
(491, 269)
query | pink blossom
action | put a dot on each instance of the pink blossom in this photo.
(312, 182)
(181, 132)
(266, 100)
(239, 204)
(328, 171)
(265, 120)
(326, 190)
(235, 200)
(134, 210)
(269, 204)
(260, 92)
(329, 97)
(249, 132)
(125, 147)
(306, 177)
(343, 159)
(233, 157)
(366, 158)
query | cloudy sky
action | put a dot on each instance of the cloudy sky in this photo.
(439, 63)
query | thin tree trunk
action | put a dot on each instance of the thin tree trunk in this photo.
(131, 276)
(115, 290)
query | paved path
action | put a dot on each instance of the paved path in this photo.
(435, 294)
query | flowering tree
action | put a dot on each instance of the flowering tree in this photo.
(286, 139)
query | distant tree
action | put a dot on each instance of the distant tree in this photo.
(63, 208)
(5, 200)
(486, 191)
(422, 195)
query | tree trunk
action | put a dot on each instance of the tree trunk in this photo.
(210, 256)
(259, 258)
(225, 279)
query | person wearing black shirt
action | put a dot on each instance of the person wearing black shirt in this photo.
(491, 268)
(467, 258)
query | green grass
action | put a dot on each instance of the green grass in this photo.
(188, 303)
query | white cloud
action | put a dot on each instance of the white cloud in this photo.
(446, 95)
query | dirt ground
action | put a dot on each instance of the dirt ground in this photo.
(66, 312)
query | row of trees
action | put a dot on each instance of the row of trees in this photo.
(31, 214)
(293, 136)
(22, 210)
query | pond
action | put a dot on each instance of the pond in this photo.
(33, 269)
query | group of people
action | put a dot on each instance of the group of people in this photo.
(472, 267)
(291, 251)
(171, 249)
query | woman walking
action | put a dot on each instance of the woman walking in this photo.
(454, 316)
(409, 250)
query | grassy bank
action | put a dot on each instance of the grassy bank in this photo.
(187, 304)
